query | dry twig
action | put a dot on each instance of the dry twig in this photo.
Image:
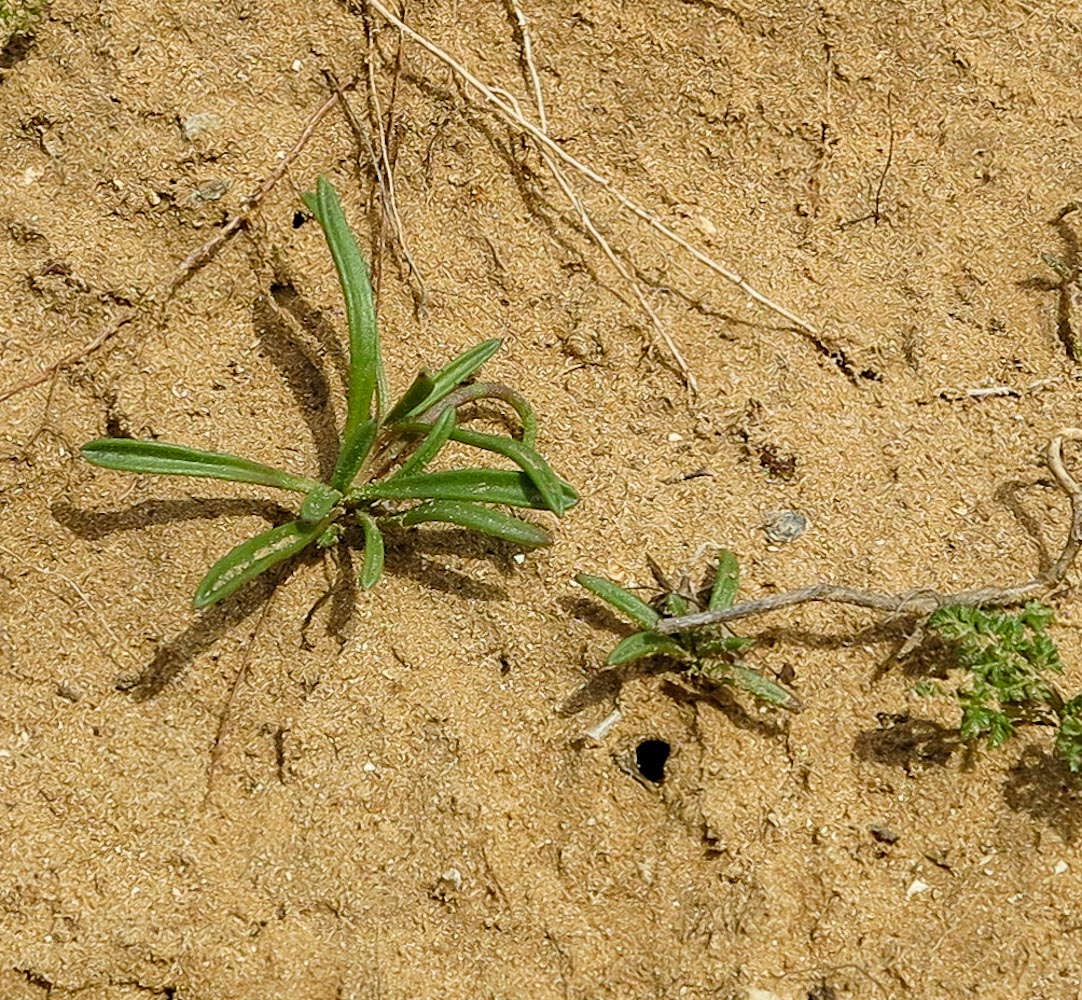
(517, 120)
(922, 601)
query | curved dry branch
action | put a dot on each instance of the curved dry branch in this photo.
(922, 601)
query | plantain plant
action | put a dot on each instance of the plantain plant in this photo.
(710, 653)
(381, 472)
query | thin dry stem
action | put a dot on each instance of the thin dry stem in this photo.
(516, 119)
(531, 66)
(595, 234)
(383, 168)
(922, 601)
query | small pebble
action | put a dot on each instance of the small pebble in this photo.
(883, 833)
(211, 190)
(785, 526)
(200, 124)
(915, 887)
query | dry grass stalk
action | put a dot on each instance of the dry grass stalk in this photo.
(923, 601)
(516, 119)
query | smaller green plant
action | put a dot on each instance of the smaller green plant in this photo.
(380, 476)
(19, 17)
(710, 653)
(1008, 659)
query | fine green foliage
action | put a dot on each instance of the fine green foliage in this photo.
(380, 474)
(19, 18)
(711, 653)
(1008, 659)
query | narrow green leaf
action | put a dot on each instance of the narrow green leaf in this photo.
(726, 582)
(366, 375)
(319, 503)
(674, 606)
(641, 644)
(415, 396)
(356, 446)
(765, 690)
(475, 517)
(129, 455)
(453, 375)
(433, 441)
(372, 569)
(559, 496)
(253, 557)
(623, 600)
(478, 485)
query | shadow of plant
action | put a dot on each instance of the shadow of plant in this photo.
(1041, 785)
(909, 743)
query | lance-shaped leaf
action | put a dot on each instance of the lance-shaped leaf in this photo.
(641, 644)
(255, 556)
(164, 459)
(559, 496)
(726, 581)
(355, 449)
(477, 485)
(623, 600)
(674, 605)
(765, 690)
(444, 381)
(476, 517)
(366, 375)
(430, 447)
(318, 504)
(415, 396)
(372, 569)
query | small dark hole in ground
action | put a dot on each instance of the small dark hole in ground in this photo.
(299, 219)
(650, 758)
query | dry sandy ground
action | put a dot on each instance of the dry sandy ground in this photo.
(890, 171)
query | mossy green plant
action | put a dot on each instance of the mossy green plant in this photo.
(381, 475)
(19, 18)
(1008, 660)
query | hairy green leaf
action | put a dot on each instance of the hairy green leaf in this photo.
(255, 556)
(129, 455)
(415, 396)
(318, 504)
(372, 569)
(479, 485)
(452, 375)
(429, 448)
(559, 496)
(356, 447)
(674, 605)
(642, 644)
(479, 518)
(623, 600)
(765, 690)
(366, 375)
(726, 581)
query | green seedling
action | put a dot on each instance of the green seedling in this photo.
(711, 653)
(19, 18)
(381, 472)
(1008, 659)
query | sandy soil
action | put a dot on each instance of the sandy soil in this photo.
(389, 794)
